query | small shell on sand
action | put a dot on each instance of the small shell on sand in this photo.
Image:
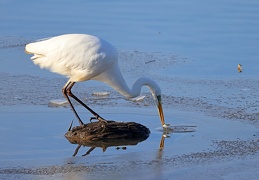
(101, 93)
(57, 102)
(138, 99)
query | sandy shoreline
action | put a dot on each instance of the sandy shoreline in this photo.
(237, 103)
(227, 163)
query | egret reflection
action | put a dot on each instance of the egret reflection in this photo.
(104, 143)
(116, 134)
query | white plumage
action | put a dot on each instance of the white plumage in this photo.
(82, 57)
(77, 56)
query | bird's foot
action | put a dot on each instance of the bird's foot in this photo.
(92, 118)
(81, 123)
(99, 118)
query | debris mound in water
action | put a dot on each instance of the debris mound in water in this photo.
(108, 130)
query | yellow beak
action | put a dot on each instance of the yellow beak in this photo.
(160, 111)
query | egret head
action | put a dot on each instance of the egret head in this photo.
(160, 109)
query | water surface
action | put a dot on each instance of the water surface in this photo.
(191, 48)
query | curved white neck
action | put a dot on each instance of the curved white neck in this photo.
(114, 78)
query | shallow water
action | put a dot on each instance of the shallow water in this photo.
(190, 48)
(217, 35)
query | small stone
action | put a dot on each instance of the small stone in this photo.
(58, 102)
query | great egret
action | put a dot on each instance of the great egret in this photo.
(83, 57)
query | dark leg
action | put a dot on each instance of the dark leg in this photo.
(76, 151)
(67, 92)
(89, 151)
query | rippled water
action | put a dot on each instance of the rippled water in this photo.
(216, 34)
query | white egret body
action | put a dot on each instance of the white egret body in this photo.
(82, 57)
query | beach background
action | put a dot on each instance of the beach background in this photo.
(190, 48)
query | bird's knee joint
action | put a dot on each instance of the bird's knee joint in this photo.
(67, 91)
